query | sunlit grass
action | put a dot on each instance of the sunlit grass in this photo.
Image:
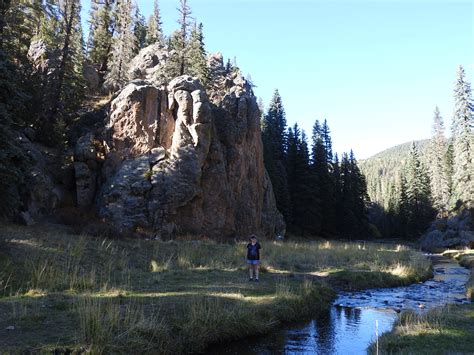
(443, 330)
(176, 296)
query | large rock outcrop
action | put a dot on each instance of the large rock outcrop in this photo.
(178, 164)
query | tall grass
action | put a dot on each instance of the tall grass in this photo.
(178, 296)
(107, 325)
(442, 330)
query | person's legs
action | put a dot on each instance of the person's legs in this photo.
(256, 271)
(250, 271)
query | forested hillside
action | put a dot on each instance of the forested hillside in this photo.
(383, 170)
(411, 184)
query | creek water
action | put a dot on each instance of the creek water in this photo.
(349, 326)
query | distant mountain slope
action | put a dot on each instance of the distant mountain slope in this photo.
(382, 170)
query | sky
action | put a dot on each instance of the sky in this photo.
(375, 70)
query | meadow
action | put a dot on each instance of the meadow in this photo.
(62, 291)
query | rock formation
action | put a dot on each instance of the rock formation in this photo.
(166, 161)
(178, 164)
(453, 232)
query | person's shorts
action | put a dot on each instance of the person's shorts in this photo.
(253, 262)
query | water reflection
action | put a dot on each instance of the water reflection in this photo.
(341, 330)
(349, 326)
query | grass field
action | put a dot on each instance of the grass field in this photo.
(65, 291)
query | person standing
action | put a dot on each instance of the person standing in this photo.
(253, 257)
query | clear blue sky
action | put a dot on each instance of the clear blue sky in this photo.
(374, 69)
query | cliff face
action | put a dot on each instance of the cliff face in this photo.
(176, 163)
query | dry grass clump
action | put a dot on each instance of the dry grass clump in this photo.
(447, 329)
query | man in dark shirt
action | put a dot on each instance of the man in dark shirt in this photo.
(253, 257)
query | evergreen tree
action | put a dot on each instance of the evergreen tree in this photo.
(155, 30)
(184, 21)
(20, 22)
(361, 198)
(67, 83)
(123, 48)
(102, 28)
(463, 141)
(449, 162)
(139, 30)
(13, 161)
(197, 55)
(322, 170)
(420, 211)
(336, 177)
(326, 136)
(348, 223)
(403, 210)
(305, 216)
(352, 221)
(172, 67)
(437, 165)
(274, 141)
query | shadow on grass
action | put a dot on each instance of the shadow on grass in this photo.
(164, 323)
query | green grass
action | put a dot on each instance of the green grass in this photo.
(444, 330)
(62, 290)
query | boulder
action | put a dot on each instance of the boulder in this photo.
(44, 191)
(148, 62)
(92, 77)
(453, 232)
(43, 60)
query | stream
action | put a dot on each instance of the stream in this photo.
(349, 326)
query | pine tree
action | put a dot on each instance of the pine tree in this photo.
(463, 141)
(274, 139)
(123, 48)
(14, 163)
(305, 216)
(352, 207)
(403, 208)
(326, 136)
(139, 30)
(155, 30)
(102, 28)
(172, 67)
(68, 76)
(437, 165)
(360, 196)
(184, 21)
(418, 194)
(197, 55)
(322, 170)
(20, 22)
(347, 226)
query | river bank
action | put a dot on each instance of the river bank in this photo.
(67, 291)
(442, 330)
(351, 324)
